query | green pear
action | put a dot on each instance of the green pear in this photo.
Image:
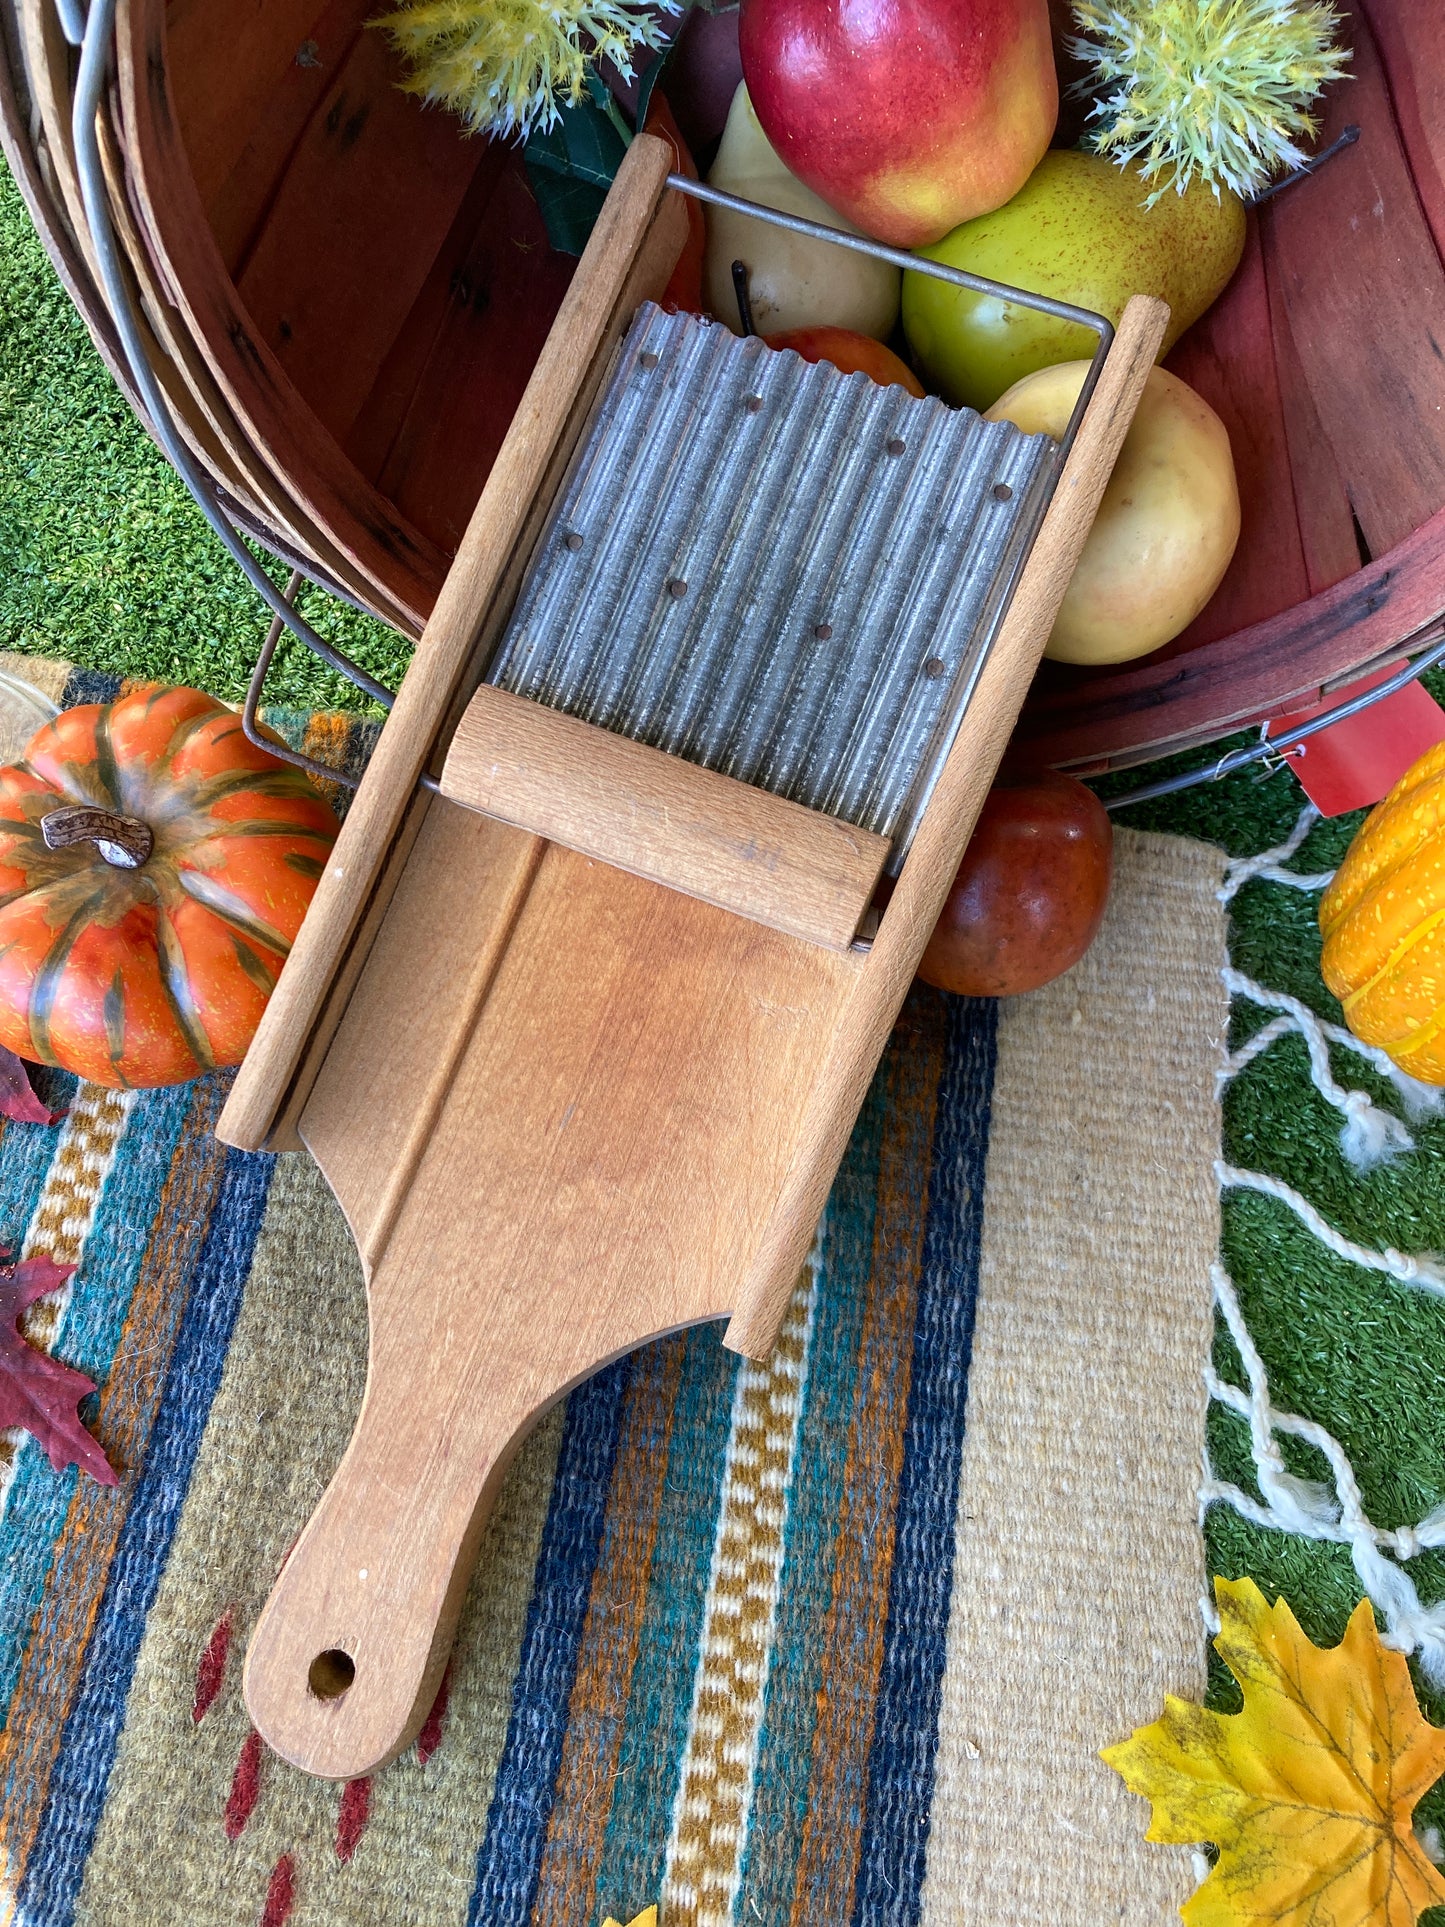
(1079, 230)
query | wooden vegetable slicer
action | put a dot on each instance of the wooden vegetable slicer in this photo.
(628, 900)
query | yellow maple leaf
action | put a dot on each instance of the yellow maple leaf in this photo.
(647, 1918)
(1308, 1793)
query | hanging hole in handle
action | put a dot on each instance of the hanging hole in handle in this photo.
(331, 1673)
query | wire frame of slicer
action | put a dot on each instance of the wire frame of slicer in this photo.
(777, 570)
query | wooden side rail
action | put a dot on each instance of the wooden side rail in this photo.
(633, 248)
(657, 816)
(860, 1029)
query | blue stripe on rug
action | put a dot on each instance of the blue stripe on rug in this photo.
(105, 1284)
(82, 1772)
(867, 1482)
(511, 1853)
(785, 1745)
(905, 1734)
(655, 1731)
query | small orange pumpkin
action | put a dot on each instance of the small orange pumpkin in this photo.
(1383, 922)
(154, 870)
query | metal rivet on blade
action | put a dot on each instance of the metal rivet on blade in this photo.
(1002, 492)
(648, 359)
(677, 588)
(934, 668)
(573, 540)
(754, 403)
(823, 630)
(896, 445)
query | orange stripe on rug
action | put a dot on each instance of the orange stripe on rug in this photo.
(577, 1826)
(863, 1551)
(712, 1807)
(55, 1658)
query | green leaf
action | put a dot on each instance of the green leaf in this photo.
(597, 90)
(570, 168)
(649, 80)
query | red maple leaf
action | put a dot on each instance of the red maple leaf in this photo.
(36, 1390)
(17, 1099)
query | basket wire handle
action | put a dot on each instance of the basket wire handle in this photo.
(92, 32)
(94, 40)
(1431, 639)
(324, 772)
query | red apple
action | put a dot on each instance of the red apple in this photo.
(1030, 893)
(853, 353)
(907, 116)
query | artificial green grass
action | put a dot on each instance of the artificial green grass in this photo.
(1351, 1349)
(104, 560)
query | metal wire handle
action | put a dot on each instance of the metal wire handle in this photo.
(94, 39)
(326, 772)
(1097, 324)
(1280, 745)
(92, 33)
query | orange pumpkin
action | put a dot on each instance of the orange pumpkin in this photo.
(154, 870)
(1383, 921)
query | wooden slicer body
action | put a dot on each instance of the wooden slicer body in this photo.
(578, 1041)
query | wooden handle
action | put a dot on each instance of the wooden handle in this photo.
(947, 824)
(347, 1657)
(597, 1080)
(657, 816)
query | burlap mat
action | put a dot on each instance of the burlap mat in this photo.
(1080, 1566)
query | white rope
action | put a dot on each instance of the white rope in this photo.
(1308, 1508)
(1370, 1136)
(1268, 865)
(1420, 1100)
(1302, 1505)
(1422, 1273)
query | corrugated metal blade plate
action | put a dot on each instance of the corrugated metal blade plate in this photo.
(776, 570)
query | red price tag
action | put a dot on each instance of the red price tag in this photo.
(1353, 764)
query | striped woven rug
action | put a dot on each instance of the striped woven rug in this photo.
(833, 1639)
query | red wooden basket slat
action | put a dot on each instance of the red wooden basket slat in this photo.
(461, 393)
(241, 208)
(1323, 514)
(1362, 283)
(1410, 39)
(344, 207)
(1229, 356)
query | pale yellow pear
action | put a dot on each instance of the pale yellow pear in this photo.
(1166, 528)
(794, 282)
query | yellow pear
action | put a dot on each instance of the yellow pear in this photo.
(1167, 525)
(1078, 230)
